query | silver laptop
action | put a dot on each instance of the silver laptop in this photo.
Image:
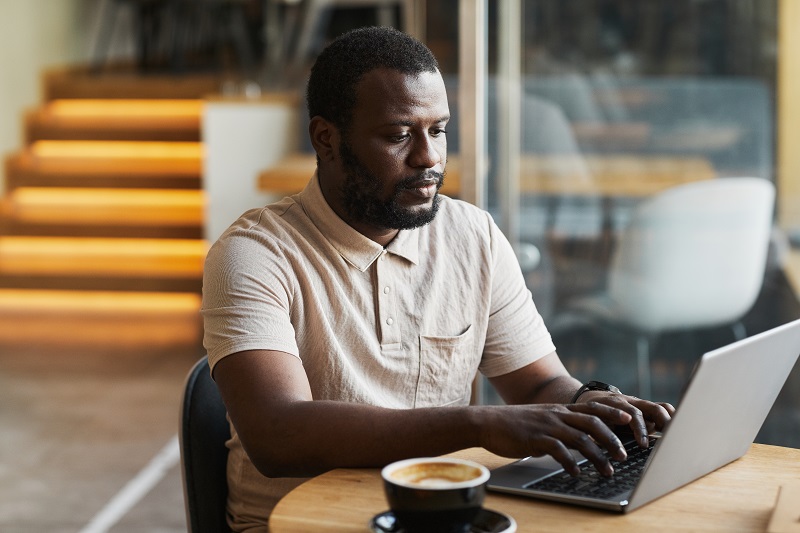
(729, 395)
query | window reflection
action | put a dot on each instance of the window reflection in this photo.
(622, 100)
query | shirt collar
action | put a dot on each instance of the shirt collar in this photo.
(354, 247)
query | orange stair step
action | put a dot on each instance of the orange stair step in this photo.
(116, 119)
(101, 257)
(149, 164)
(126, 81)
(62, 317)
(131, 207)
(157, 151)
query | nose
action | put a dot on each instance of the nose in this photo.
(427, 152)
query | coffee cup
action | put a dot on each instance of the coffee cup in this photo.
(441, 495)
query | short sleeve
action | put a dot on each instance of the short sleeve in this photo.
(247, 295)
(516, 334)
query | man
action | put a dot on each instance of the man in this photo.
(345, 324)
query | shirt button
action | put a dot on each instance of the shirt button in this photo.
(386, 290)
(389, 321)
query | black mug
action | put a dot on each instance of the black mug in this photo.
(441, 495)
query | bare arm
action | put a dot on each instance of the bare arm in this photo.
(543, 381)
(286, 433)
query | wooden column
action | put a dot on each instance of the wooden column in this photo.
(788, 114)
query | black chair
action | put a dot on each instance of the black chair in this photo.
(204, 456)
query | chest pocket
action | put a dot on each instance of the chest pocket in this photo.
(447, 368)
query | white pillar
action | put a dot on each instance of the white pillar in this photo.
(242, 137)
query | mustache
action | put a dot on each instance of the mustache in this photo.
(411, 182)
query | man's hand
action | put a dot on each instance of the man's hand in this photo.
(586, 426)
(645, 416)
(549, 429)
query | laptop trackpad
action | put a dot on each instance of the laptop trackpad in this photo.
(526, 471)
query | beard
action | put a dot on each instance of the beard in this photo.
(361, 196)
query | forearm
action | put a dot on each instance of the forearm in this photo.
(544, 381)
(308, 437)
(560, 389)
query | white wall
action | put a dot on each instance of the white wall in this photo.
(241, 138)
(36, 35)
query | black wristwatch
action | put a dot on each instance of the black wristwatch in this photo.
(594, 385)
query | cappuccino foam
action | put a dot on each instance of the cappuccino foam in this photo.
(439, 475)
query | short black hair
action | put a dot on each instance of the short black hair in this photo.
(331, 90)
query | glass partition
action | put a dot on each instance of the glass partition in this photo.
(639, 157)
(613, 103)
(621, 100)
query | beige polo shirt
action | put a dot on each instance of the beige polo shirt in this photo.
(403, 327)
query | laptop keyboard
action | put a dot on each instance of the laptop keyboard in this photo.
(591, 484)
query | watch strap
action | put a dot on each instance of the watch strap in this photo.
(594, 385)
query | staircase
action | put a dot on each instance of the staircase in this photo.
(101, 222)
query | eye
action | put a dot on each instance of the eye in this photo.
(400, 137)
(436, 132)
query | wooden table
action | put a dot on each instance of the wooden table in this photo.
(591, 175)
(736, 498)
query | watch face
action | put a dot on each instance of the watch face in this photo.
(594, 385)
(599, 385)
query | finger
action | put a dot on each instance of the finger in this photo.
(668, 407)
(589, 448)
(606, 438)
(657, 413)
(610, 414)
(638, 420)
(660, 414)
(639, 426)
(592, 437)
(558, 451)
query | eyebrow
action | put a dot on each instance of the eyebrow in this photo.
(411, 124)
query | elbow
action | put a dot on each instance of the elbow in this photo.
(274, 470)
(277, 469)
(279, 462)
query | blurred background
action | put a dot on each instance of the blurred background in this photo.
(641, 157)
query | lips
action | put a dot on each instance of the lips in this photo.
(423, 182)
(425, 188)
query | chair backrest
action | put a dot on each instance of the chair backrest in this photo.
(204, 456)
(694, 255)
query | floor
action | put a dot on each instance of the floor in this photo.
(88, 441)
(80, 424)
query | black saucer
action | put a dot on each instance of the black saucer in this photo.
(487, 521)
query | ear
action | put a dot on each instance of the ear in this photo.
(324, 138)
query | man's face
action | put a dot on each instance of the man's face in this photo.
(365, 201)
(392, 158)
